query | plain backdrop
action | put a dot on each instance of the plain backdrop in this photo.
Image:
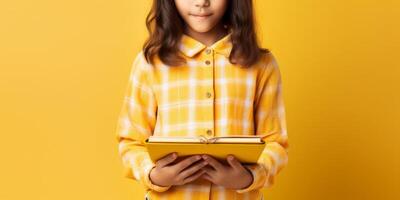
(64, 67)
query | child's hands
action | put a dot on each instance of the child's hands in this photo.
(166, 173)
(234, 176)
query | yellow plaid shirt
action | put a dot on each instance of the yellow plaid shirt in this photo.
(207, 96)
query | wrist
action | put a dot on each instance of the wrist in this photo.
(152, 175)
(250, 178)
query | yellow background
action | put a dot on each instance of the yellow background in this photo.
(65, 64)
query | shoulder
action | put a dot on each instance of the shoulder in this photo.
(140, 59)
(141, 69)
(140, 62)
(145, 61)
(268, 63)
(268, 59)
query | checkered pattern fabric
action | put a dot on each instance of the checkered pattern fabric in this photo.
(207, 96)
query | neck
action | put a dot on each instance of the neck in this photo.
(207, 38)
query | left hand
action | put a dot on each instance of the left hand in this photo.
(233, 176)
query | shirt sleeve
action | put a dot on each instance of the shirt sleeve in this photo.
(136, 123)
(270, 122)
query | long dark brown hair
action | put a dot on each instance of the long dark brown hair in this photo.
(166, 26)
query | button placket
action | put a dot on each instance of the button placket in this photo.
(209, 56)
(209, 93)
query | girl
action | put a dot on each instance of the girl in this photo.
(201, 72)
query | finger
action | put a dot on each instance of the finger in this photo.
(213, 162)
(233, 162)
(191, 170)
(209, 170)
(207, 177)
(187, 161)
(166, 159)
(193, 177)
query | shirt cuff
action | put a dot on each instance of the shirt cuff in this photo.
(148, 182)
(259, 177)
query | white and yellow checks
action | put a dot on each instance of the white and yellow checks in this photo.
(206, 96)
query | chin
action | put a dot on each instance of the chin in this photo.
(201, 29)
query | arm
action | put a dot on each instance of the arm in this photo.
(136, 123)
(270, 122)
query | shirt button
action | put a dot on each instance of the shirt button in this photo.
(208, 62)
(208, 51)
(209, 132)
(208, 94)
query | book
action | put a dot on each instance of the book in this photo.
(246, 148)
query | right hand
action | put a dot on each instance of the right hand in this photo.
(165, 173)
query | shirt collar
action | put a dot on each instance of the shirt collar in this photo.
(190, 46)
